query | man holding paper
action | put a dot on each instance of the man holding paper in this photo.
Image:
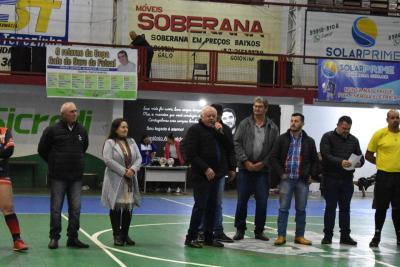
(341, 153)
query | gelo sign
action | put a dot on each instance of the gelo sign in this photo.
(27, 123)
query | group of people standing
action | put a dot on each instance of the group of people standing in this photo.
(258, 150)
(213, 153)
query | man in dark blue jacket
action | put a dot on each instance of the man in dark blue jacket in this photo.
(294, 157)
(63, 146)
(336, 148)
(205, 150)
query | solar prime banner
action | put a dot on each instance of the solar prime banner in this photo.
(358, 81)
(352, 36)
(91, 72)
(45, 20)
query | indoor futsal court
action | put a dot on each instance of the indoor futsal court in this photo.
(159, 227)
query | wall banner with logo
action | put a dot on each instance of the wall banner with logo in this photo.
(207, 25)
(358, 81)
(39, 20)
(352, 36)
(91, 72)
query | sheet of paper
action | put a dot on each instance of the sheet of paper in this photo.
(353, 160)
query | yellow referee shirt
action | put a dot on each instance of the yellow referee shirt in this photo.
(386, 145)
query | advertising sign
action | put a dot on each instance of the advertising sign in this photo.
(91, 72)
(352, 36)
(359, 81)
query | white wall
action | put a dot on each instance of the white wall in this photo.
(366, 121)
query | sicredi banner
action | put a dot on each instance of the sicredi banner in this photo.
(213, 26)
(352, 36)
(91, 72)
(40, 20)
(358, 81)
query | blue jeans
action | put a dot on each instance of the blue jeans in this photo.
(205, 196)
(248, 183)
(286, 190)
(337, 191)
(58, 190)
(218, 227)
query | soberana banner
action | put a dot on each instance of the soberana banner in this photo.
(91, 72)
(358, 81)
(352, 36)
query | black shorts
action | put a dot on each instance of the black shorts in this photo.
(387, 190)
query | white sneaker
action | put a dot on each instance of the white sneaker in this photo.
(178, 190)
(169, 190)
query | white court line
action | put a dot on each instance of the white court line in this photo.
(227, 216)
(96, 235)
(100, 245)
(364, 257)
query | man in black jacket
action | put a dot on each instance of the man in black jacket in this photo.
(63, 146)
(140, 40)
(336, 148)
(205, 150)
(294, 157)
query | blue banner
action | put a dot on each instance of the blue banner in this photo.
(358, 81)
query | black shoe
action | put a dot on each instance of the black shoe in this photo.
(213, 243)
(53, 244)
(326, 240)
(118, 241)
(222, 237)
(261, 236)
(239, 235)
(76, 243)
(348, 241)
(193, 243)
(129, 241)
(374, 242)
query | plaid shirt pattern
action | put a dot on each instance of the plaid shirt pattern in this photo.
(293, 159)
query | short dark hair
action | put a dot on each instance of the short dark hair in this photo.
(144, 136)
(230, 110)
(346, 119)
(218, 108)
(171, 136)
(123, 52)
(114, 127)
(298, 115)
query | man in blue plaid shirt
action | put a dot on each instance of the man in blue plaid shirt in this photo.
(294, 157)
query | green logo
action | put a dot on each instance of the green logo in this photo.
(26, 123)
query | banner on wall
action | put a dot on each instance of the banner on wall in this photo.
(91, 72)
(39, 20)
(358, 81)
(352, 36)
(159, 118)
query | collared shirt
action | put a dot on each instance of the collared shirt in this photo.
(293, 159)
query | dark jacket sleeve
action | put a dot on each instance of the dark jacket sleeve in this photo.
(327, 157)
(275, 157)
(7, 148)
(227, 142)
(86, 144)
(274, 134)
(45, 143)
(191, 149)
(314, 160)
(359, 152)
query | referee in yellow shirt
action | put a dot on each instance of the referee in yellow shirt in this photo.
(384, 151)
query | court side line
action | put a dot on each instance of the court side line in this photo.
(188, 205)
(227, 216)
(100, 245)
(96, 235)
